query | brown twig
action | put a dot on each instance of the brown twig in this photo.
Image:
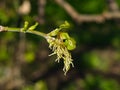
(87, 18)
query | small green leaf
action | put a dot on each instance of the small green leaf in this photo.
(33, 27)
(70, 43)
(25, 26)
(65, 25)
(54, 32)
(64, 35)
(57, 30)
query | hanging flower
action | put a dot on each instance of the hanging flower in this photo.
(61, 43)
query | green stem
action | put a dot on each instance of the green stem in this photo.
(12, 29)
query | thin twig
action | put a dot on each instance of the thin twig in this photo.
(12, 29)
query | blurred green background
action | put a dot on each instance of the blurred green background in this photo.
(24, 60)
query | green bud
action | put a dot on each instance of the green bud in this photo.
(64, 35)
(25, 26)
(54, 32)
(70, 43)
(33, 27)
(65, 25)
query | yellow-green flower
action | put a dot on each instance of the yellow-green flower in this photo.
(60, 43)
(59, 48)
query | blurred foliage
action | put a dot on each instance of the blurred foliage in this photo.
(97, 82)
(89, 7)
(97, 53)
(40, 85)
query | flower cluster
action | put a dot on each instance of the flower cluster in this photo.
(59, 48)
(61, 43)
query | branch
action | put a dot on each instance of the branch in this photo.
(59, 42)
(86, 18)
(12, 29)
